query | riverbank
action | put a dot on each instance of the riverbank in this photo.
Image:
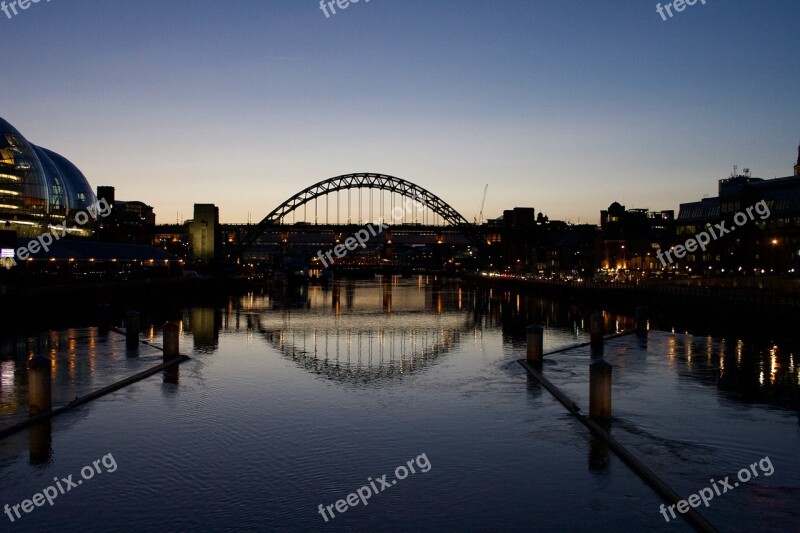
(53, 307)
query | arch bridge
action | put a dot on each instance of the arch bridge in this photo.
(424, 199)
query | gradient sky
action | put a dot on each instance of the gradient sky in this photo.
(563, 105)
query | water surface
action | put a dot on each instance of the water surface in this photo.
(294, 400)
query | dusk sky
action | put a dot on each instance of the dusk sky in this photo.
(565, 106)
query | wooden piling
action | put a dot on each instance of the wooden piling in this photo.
(40, 385)
(132, 329)
(171, 341)
(535, 344)
(600, 390)
(596, 333)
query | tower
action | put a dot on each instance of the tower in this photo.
(204, 233)
(797, 166)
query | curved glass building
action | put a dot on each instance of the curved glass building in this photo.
(38, 188)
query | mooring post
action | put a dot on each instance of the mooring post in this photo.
(40, 385)
(103, 318)
(132, 329)
(171, 341)
(596, 333)
(600, 390)
(535, 344)
(641, 321)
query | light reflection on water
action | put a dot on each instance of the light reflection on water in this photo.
(293, 398)
(388, 328)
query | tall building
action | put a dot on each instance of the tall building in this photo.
(204, 233)
(39, 188)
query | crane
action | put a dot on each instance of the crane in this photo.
(479, 219)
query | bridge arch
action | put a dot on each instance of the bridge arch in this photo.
(367, 181)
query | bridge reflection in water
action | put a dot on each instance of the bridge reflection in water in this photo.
(356, 331)
(363, 332)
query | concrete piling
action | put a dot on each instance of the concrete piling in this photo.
(641, 321)
(600, 390)
(171, 341)
(40, 385)
(535, 344)
(596, 332)
(132, 329)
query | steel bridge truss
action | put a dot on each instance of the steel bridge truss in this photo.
(366, 181)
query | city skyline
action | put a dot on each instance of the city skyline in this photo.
(244, 106)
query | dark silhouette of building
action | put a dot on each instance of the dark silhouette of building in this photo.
(130, 222)
(630, 238)
(173, 238)
(797, 166)
(523, 242)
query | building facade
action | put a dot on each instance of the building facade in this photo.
(39, 189)
(204, 233)
(766, 243)
(630, 238)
